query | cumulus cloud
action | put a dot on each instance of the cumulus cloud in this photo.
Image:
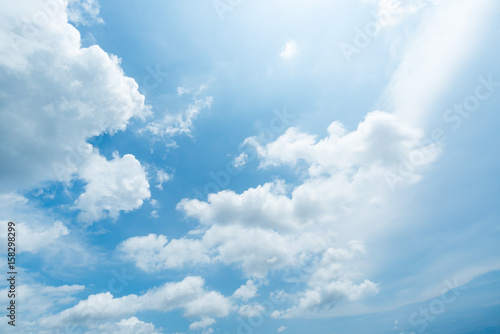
(37, 237)
(246, 291)
(155, 252)
(189, 295)
(42, 233)
(378, 145)
(56, 95)
(38, 299)
(330, 282)
(252, 310)
(203, 323)
(345, 179)
(112, 186)
(126, 326)
(391, 12)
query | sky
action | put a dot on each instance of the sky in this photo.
(232, 166)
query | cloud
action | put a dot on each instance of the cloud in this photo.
(240, 160)
(162, 177)
(288, 51)
(38, 299)
(112, 186)
(84, 12)
(281, 329)
(155, 252)
(345, 180)
(249, 311)
(246, 291)
(56, 95)
(126, 326)
(37, 237)
(330, 283)
(44, 235)
(203, 323)
(189, 295)
(172, 125)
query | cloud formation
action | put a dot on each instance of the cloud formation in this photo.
(189, 295)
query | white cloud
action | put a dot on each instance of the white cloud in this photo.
(240, 160)
(345, 180)
(189, 295)
(246, 291)
(85, 12)
(181, 123)
(281, 329)
(112, 186)
(330, 282)
(155, 252)
(203, 323)
(38, 299)
(378, 145)
(44, 235)
(55, 95)
(162, 177)
(288, 51)
(182, 90)
(126, 326)
(36, 237)
(249, 311)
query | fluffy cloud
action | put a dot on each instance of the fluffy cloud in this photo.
(112, 186)
(40, 232)
(203, 323)
(37, 300)
(330, 282)
(38, 237)
(248, 311)
(189, 295)
(246, 291)
(56, 95)
(279, 227)
(379, 144)
(126, 326)
(155, 252)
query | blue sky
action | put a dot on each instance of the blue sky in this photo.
(251, 166)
